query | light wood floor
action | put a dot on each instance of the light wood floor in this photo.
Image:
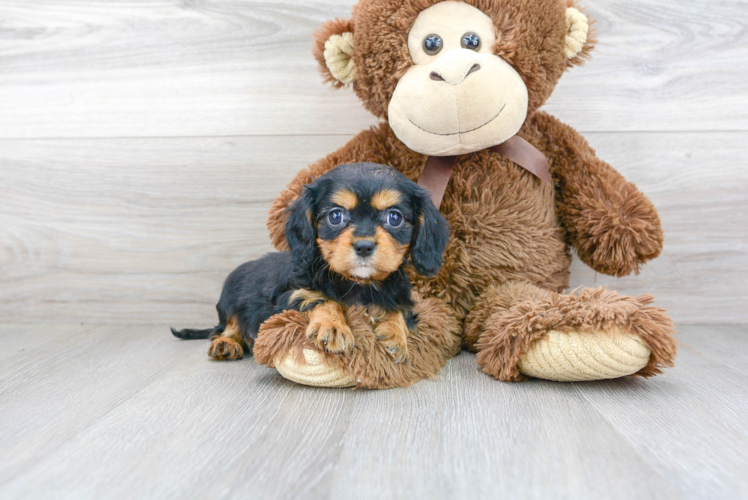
(106, 411)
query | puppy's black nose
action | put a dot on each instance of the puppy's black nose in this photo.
(364, 248)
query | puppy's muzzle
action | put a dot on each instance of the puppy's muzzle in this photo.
(364, 248)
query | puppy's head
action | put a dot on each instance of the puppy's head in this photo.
(364, 220)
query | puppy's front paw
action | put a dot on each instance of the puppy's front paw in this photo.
(393, 337)
(397, 349)
(331, 335)
(392, 331)
(329, 330)
(225, 348)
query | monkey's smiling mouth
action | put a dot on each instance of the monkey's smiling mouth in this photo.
(461, 131)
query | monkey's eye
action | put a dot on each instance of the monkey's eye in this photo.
(336, 217)
(470, 41)
(395, 218)
(432, 44)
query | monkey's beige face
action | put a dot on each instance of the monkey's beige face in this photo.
(458, 97)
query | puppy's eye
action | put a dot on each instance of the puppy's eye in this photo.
(395, 218)
(470, 41)
(432, 44)
(336, 217)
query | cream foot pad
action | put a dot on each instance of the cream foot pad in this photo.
(314, 373)
(578, 356)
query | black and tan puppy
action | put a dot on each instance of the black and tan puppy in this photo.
(351, 235)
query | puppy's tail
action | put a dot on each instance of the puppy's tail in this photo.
(188, 334)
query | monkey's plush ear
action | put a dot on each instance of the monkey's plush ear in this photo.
(431, 238)
(300, 232)
(579, 40)
(333, 49)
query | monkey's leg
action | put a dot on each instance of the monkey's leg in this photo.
(519, 329)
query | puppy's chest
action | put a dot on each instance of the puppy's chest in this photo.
(388, 296)
(354, 294)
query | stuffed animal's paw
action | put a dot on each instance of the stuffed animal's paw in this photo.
(617, 239)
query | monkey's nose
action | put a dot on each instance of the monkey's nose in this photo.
(364, 248)
(454, 79)
(473, 69)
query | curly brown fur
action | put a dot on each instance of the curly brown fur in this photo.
(435, 340)
(613, 226)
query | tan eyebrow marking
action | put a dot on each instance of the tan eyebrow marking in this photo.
(386, 198)
(345, 198)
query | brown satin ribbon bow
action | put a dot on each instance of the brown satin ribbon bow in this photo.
(438, 169)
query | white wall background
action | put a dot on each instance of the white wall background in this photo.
(141, 143)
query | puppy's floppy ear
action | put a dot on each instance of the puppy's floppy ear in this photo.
(431, 236)
(300, 232)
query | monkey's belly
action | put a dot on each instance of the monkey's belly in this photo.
(504, 228)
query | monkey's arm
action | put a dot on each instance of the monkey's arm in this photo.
(366, 146)
(613, 226)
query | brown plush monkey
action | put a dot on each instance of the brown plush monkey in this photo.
(455, 79)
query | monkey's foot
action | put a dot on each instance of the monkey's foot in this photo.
(592, 334)
(575, 356)
(313, 371)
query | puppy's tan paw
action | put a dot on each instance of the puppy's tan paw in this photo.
(392, 332)
(396, 348)
(225, 348)
(393, 340)
(331, 335)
